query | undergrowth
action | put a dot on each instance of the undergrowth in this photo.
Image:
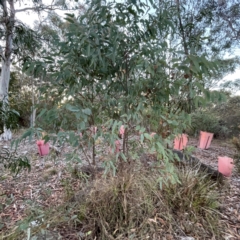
(236, 143)
(131, 205)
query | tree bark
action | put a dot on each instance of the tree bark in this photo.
(9, 19)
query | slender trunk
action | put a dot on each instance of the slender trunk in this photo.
(34, 109)
(93, 125)
(182, 28)
(186, 50)
(4, 83)
(33, 115)
(126, 75)
(4, 80)
(9, 19)
(93, 153)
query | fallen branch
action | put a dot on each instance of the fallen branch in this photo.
(195, 162)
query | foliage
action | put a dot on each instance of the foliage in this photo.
(206, 121)
(233, 85)
(8, 118)
(229, 115)
(166, 123)
(109, 65)
(220, 118)
(55, 117)
(13, 162)
(20, 99)
(194, 196)
(207, 27)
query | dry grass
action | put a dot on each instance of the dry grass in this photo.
(132, 206)
(236, 144)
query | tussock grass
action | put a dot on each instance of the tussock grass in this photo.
(132, 206)
(236, 144)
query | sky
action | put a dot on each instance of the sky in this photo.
(28, 17)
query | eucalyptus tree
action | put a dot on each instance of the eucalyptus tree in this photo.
(202, 31)
(15, 36)
(109, 67)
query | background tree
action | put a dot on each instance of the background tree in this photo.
(15, 36)
(200, 32)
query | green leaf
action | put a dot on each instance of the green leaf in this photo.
(42, 113)
(87, 111)
(123, 156)
(72, 108)
(147, 136)
(28, 133)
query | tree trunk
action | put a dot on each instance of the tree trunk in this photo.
(9, 19)
(4, 80)
(4, 83)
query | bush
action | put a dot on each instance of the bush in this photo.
(8, 117)
(205, 121)
(229, 115)
(13, 162)
(23, 105)
(56, 118)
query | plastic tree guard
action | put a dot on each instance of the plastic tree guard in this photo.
(205, 140)
(180, 142)
(225, 166)
(43, 149)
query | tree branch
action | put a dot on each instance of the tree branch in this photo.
(229, 22)
(182, 29)
(50, 8)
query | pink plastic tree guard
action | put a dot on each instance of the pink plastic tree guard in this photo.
(43, 149)
(180, 142)
(122, 131)
(205, 140)
(225, 166)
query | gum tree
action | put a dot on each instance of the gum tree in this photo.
(112, 65)
(201, 31)
(14, 35)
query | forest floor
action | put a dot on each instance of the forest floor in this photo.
(47, 183)
(230, 207)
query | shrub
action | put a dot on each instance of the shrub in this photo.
(205, 121)
(13, 162)
(23, 105)
(8, 117)
(229, 115)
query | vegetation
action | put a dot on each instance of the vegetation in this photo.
(236, 143)
(115, 82)
(222, 119)
(131, 205)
